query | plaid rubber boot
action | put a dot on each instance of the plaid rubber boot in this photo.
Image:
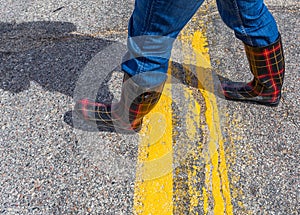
(128, 113)
(268, 67)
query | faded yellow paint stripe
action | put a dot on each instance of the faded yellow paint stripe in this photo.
(216, 176)
(192, 121)
(154, 177)
(204, 190)
(216, 154)
(192, 125)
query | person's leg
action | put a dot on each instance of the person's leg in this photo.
(255, 26)
(152, 29)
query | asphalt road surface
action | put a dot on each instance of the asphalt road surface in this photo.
(50, 167)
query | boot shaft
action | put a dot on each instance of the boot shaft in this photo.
(136, 101)
(267, 65)
(268, 68)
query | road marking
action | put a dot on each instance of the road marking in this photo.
(154, 177)
(216, 176)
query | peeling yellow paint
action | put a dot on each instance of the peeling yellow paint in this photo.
(205, 193)
(216, 154)
(216, 169)
(154, 183)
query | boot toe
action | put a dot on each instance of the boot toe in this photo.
(236, 90)
(91, 111)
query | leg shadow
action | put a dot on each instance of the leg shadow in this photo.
(48, 53)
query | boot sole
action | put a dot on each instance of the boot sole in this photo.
(269, 104)
(104, 125)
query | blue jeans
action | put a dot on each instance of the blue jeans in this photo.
(155, 24)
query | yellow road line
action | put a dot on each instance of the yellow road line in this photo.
(192, 124)
(154, 177)
(216, 176)
(216, 154)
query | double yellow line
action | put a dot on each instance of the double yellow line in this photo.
(154, 186)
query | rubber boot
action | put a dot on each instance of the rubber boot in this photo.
(128, 113)
(268, 67)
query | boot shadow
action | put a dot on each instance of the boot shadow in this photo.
(50, 54)
(73, 120)
(198, 77)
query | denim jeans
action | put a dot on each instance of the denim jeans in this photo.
(155, 24)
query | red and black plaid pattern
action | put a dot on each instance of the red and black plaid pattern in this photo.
(128, 113)
(267, 67)
(94, 112)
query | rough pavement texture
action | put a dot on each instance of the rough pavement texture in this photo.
(264, 153)
(47, 167)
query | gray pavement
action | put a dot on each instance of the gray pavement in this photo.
(264, 156)
(48, 167)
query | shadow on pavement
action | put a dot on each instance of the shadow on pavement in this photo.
(188, 75)
(52, 55)
(48, 53)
